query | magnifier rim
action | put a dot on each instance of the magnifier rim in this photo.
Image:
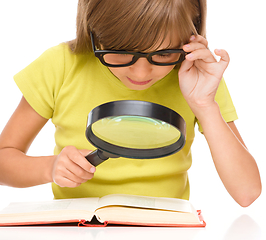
(141, 109)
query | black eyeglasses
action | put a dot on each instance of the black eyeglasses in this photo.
(120, 58)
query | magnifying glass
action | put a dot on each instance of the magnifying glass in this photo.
(134, 129)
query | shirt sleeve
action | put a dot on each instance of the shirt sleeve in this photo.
(225, 103)
(40, 81)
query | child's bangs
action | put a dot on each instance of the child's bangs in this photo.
(139, 25)
(145, 28)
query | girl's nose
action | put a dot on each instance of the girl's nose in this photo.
(141, 69)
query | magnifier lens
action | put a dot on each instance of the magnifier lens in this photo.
(135, 132)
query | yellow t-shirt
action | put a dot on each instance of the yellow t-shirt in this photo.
(66, 87)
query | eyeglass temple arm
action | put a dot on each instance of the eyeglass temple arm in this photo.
(92, 42)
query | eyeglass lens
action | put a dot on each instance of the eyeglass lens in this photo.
(118, 59)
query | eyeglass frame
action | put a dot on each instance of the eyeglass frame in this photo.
(136, 55)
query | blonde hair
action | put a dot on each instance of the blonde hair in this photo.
(137, 24)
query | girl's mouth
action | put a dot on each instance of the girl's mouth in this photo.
(139, 83)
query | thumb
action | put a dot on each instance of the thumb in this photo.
(85, 152)
(185, 66)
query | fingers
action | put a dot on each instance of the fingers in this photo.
(196, 42)
(201, 54)
(198, 50)
(199, 39)
(71, 169)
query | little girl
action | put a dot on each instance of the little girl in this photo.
(175, 69)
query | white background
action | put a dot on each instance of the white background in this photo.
(28, 28)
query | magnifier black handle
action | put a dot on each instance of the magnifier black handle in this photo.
(96, 157)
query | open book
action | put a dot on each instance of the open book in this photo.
(111, 209)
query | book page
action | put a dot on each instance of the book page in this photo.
(84, 204)
(144, 216)
(172, 204)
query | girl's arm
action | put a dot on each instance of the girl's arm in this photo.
(199, 78)
(235, 165)
(68, 169)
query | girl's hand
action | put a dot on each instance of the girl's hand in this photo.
(71, 169)
(200, 73)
